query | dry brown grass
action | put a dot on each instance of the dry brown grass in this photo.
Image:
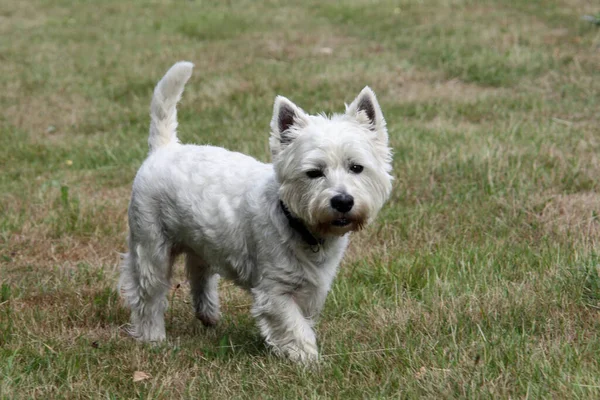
(573, 215)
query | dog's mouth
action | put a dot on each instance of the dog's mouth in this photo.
(341, 222)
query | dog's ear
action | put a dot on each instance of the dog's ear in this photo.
(288, 118)
(366, 110)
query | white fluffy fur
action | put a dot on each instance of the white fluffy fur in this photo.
(222, 210)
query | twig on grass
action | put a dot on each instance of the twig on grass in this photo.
(362, 352)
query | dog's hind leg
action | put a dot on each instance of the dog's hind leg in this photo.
(144, 283)
(204, 287)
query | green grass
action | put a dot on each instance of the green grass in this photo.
(480, 279)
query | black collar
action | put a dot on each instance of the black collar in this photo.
(299, 227)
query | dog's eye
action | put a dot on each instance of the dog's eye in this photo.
(314, 173)
(357, 169)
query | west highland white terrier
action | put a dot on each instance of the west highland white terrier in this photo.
(277, 230)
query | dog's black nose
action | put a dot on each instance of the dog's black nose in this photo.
(342, 202)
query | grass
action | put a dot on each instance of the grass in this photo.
(480, 279)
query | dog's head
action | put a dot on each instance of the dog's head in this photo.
(333, 171)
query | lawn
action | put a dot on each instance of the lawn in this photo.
(480, 278)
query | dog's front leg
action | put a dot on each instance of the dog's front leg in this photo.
(284, 327)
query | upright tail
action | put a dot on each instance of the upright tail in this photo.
(163, 110)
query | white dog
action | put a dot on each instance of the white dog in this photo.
(278, 230)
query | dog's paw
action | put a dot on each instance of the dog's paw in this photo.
(154, 338)
(302, 353)
(155, 335)
(208, 320)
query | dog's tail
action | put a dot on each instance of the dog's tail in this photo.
(163, 110)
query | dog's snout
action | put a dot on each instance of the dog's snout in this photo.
(342, 202)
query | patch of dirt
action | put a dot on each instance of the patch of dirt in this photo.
(45, 253)
(48, 117)
(444, 124)
(411, 88)
(301, 45)
(23, 16)
(574, 214)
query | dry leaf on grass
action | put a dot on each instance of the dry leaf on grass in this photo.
(421, 372)
(140, 376)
